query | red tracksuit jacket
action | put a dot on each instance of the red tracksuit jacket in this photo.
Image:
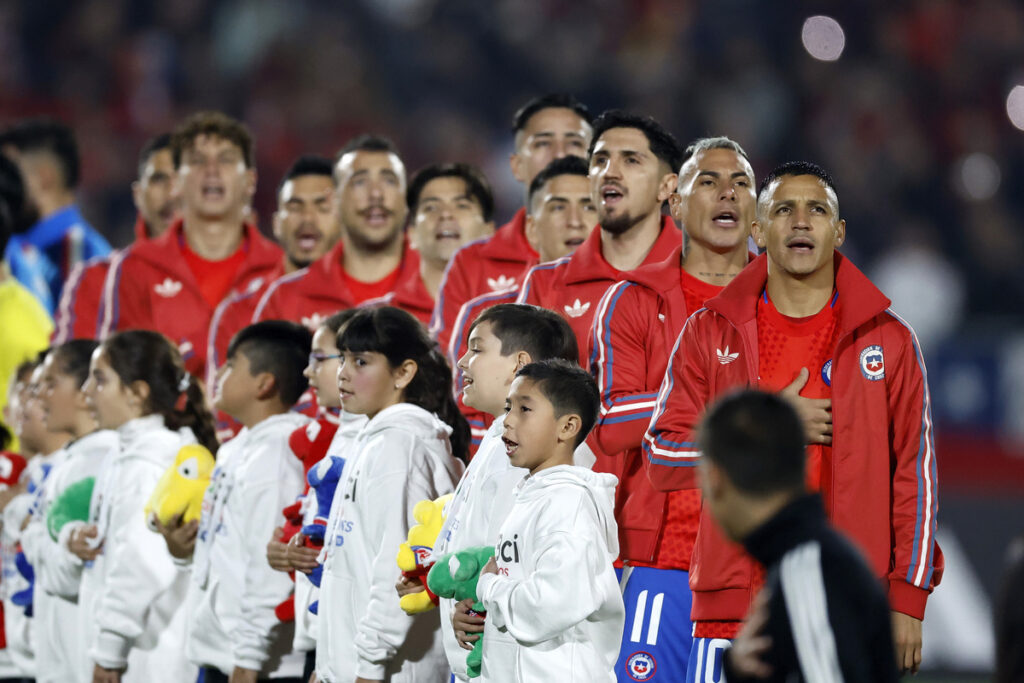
(492, 264)
(572, 286)
(880, 484)
(79, 313)
(318, 291)
(636, 324)
(151, 286)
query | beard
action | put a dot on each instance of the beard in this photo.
(619, 224)
(369, 243)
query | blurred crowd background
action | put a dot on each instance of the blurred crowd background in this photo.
(911, 105)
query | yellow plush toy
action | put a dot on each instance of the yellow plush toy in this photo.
(414, 556)
(181, 488)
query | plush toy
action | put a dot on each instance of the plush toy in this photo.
(72, 505)
(323, 480)
(23, 598)
(455, 576)
(181, 488)
(414, 556)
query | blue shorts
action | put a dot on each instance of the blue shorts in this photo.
(706, 660)
(656, 638)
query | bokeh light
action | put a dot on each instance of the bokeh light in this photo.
(1015, 106)
(978, 176)
(823, 38)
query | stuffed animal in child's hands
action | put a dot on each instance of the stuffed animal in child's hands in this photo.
(323, 479)
(415, 555)
(181, 488)
(71, 506)
(455, 576)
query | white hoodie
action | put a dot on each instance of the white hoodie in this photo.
(554, 610)
(56, 627)
(401, 456)
(132, 596)
(233, 591)
(306, 593)
(17, 626)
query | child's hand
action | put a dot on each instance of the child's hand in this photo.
(277, 553)
(179, 537)
(81, 544)
(240, 675)
(466, 624)
(405, 586)
(101, 675)
(299, 557)
(490, 568)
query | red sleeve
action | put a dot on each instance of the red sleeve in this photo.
(670, 449)
(125, 298)
(619, 339)
(77, 315)
(455, 290)
(917, 560)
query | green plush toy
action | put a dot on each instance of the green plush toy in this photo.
(70, 506)
(455, 576)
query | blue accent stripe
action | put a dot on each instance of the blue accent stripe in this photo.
(607, 344)
(671, 463)
(634, 397)
(632, 417)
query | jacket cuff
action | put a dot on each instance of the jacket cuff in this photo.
(111, 650)
(374, 671)
(483, 585)
(907, 599)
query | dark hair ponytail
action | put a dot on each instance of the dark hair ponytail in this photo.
(400, 337)
(150, 357)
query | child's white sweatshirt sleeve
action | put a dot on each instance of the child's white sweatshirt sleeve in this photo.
(138, 567)
(257, 506)
(561, 591)
(58, 571)
(392, 493)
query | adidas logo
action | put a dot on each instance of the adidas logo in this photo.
(724, 357)
(313, 322)
(661, 317)
(577, 309)
(501, 283)
(167, 288)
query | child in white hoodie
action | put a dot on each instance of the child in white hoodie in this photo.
(554, 610)
(132, 595)
(55, 621)
(393, 373)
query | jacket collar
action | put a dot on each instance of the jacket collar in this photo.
(509, 242)
(860, 300)
(262, 253)
(330, 268)
(798, 522)
(589, 263)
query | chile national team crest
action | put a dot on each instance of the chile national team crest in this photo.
(872, 363)
(826, 373)
(641, 666)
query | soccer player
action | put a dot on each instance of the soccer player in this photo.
(172, 284)
(42, 257)
(450, 205)
(372, 256)
(633, 162)
(803, 321)
(546, 128)
(822, 616)
(636, 324)
(78, 313)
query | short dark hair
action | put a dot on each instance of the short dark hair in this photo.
(567, 165)
(48, 135)
(662, 143)
(151, 147)
(368, 142)
(476, 185)
(549, 101)
(14, 210)
(794, 168)
(73, 357)
(758, 440)
(280, 348)
(216, 124)
(307, 164)
(334, 321)
(523, 327)
(569, 388)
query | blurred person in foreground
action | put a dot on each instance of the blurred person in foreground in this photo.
(546, 128)
(78, 314)
(172, 284)
(43, 255)
(822, 615)
(801, 320)
(25, 326)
